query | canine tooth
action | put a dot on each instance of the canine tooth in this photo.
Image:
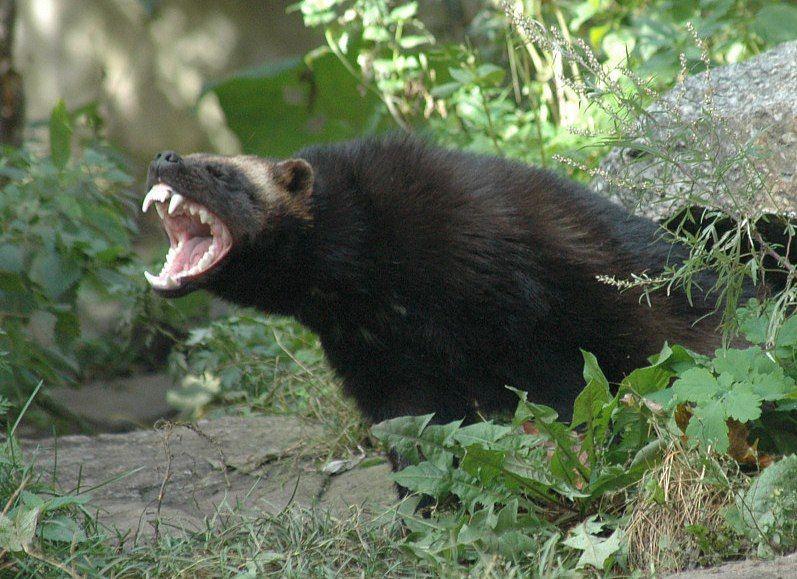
(161, 211)
(159, 192)
(153, 280)
(176, 201)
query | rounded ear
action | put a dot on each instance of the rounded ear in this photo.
(294, 175)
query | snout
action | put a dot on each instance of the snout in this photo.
(162, 165)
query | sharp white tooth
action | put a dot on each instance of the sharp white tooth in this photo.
(153, 280)
(205, 261)
(161, 211)
(192, 209)
(204, 216)
(159, 192)
(176, 201)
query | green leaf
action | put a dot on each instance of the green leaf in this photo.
(482, 463)
(403, 434)
(774, 386)
(594, 396)
(12, 258)
(424, 478)
(776, 23)
(55, 273)
(461, 75)
(787, 333)
(737, 363)
(60, 135)
(485, 433)
(596, 550)
(437, 439)
(67, 328)
(770, 504)
(65, 501)
(752, 324)
(471, 492)
(446, 89)
(404, 11)
(708, 426)
(17, 533)
(62, 530)
(490, 74)
(696, 385)
(742, 404)
(277, 109)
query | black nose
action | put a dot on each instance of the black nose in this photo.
(166, 157)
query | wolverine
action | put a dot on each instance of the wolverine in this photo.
(434, 278)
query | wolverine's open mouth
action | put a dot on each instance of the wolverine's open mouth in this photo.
(199, 239)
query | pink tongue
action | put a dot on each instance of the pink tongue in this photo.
(192, 251)
(197, 248)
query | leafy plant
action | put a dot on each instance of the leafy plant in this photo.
(718, 399)
(267, 364)
(36, 517)
(64, 225)
(514, 488)
(767, 512)
(66, 230)
(504, 489)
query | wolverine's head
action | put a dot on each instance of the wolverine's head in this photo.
(211, 206)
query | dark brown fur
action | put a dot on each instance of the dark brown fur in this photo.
(436, 278)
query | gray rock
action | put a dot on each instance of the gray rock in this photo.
(118, 404)
(779, 568)
(694, 142)
(176, 476)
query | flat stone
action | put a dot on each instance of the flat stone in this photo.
(368, 487)
(119, 404)
(175, 476)
(780, 568)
